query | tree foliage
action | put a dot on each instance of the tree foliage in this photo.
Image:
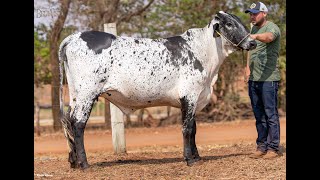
(42, 71)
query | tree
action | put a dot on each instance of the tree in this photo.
(53, 43)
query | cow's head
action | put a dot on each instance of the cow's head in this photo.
(233, 31)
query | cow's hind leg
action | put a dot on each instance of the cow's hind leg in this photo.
(68, 124)
(74, 125)
(190, 151)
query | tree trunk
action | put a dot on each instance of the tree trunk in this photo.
(53, 42)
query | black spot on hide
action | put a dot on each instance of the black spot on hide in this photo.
(197, 65)
(97, 40)
(102, 80)
(176, 45)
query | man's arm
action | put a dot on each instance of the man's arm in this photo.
(263, 37)
(247, 69)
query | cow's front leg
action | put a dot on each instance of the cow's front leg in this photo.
(190, 151)
(194, 149)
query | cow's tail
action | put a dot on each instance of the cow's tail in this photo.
(66, 120)
(62, 58)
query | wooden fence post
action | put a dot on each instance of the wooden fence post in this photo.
(37, 117)
(117, 118)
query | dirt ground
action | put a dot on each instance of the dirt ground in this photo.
(156, 153)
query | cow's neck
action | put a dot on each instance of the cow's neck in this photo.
(213, 49)
(218, 50)
(217, 47)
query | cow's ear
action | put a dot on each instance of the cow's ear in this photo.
(215, 29)
(216, 17)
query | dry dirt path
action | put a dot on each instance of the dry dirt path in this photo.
(214, 133)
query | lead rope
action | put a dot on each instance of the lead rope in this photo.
(236, 45)
(244, 66)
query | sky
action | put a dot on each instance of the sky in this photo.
(47, 13)
(44, 12)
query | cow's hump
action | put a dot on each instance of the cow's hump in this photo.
(97, 40)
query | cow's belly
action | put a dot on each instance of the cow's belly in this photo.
(130, 103)
(131, 89)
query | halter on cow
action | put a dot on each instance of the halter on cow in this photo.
(135, 73)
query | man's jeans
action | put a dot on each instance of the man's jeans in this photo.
(264, 100)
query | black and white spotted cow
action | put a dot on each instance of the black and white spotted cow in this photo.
(135, 73)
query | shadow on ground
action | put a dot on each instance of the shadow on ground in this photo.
(160, 161)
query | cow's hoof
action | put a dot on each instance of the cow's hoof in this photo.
(196, 161)
(84, 166)
(74, 165)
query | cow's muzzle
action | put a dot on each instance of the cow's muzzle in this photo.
(252, 45)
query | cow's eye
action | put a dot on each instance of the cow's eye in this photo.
(228, 24)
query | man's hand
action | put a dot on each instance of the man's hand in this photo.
(253, 36)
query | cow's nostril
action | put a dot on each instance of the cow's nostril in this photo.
(253, 44)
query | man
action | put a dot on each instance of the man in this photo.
(263, 78)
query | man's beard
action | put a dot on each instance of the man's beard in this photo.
(258, 23)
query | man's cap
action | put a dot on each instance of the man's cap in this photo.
(257, 7)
